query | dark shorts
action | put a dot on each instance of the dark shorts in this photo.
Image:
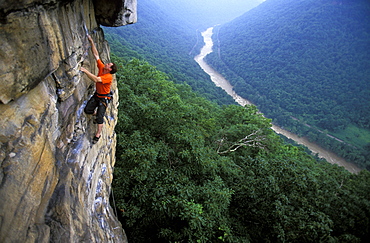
(91, 106)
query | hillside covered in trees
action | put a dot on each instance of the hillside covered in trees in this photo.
(205, 13)
(189, 170)
(168, 42)
(306, 65)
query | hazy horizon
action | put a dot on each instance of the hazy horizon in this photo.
(209, 12)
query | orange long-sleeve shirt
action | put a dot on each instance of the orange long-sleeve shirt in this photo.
(103, 87)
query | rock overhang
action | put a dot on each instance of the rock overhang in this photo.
(115, 13)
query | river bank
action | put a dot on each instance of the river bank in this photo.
(220, 81)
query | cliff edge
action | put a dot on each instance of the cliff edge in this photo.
(54, 183)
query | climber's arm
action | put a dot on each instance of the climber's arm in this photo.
(91, 76)
(93, 48)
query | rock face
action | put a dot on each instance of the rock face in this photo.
(54, 184)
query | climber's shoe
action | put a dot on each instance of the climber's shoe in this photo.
(95, 139)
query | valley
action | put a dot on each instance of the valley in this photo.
(220, 81)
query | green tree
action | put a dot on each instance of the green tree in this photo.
(165, 175)
(174, 183)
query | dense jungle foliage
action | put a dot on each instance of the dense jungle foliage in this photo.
(306, 65)
(189, 170)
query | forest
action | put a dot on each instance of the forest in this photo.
(203, 14)
(190, 170)
(192, 166)
(169, 44)
(307, 67)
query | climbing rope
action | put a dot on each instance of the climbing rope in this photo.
(114, 203)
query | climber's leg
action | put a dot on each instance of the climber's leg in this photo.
(100, 119)
(91, 105)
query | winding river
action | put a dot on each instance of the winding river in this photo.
(220, 81)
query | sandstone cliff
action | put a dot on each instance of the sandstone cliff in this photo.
(54, 184)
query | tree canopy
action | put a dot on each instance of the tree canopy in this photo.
(176, 180)
(191, 170)
(166, 41)
(306, 65)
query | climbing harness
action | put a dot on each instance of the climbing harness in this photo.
(108, 96)
(107, 100)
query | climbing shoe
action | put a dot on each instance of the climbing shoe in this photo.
(95, 139)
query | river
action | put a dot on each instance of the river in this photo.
(220, 81)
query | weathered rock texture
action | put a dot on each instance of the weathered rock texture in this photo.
(54, 184)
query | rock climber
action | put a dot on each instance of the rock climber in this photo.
(102, 95)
